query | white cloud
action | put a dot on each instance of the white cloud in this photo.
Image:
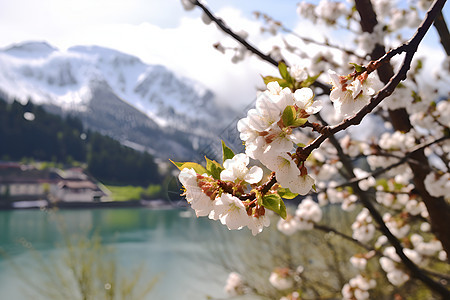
(185, 48)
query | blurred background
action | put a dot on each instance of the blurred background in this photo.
(95, 98)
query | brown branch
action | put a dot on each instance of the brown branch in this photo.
(325, 44)
(410, 48)
(401, 161)
(401, 122)
(442, 30)
(264, 189)
(342, 235)
(438, 208)
(224, 27)
(247, 45)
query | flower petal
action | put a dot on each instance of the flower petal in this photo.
(254, 175)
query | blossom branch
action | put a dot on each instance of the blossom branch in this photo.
(442, 29)
(410, 48)
(247, 45)
(325, 44)
(224, 27)
(343, 235)
(403, 160)
(264, 189)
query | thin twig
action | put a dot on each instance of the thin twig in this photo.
(266, 57)
(402, 160)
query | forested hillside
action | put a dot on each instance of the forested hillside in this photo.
(28, 131)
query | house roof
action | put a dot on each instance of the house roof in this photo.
(77, 184)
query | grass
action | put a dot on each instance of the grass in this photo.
(127, 193)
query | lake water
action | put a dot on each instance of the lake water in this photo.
(171, 244)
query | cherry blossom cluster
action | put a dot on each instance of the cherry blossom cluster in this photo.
(267, 132)
(307, 214)
(235, 285)
(381, 166)
(326, 11)
(351, 93)
(358, 288)
(218, 199)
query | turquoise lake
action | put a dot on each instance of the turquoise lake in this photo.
(170, 244)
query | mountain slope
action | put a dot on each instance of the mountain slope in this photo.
(146, 106)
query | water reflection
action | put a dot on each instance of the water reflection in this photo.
(175, 248)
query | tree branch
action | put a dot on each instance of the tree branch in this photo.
(242, 41)
(342, 235)
(247, 45)
(401, 161)
(410, 48)
(442, 29)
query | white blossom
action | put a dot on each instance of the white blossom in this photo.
(288, 174)
(304, 101)
(438, 185)
(363, 228)
(357, 288)
(308, 212)
(367, 183)
(200, 202)
(298, 72)
(234, 285)
(398, 227)
(236, 169)
(307, 10)
(330, 11)
(257, 224)
(358, 262)
(349, 96)
(230, 211)
(281, 280)
(288, 226)
(187, 4)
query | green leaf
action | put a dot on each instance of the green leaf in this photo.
(275, 203)
(288, 116)
(310, 80)
(227, 153)
(419, 65)
(199, 169)
(284, 71)
(299, 122)
(281, 81)
(213, 168)
(286, 193)
(359, 68)
(177, 164)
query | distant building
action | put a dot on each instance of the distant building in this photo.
(77, 191)
(21, 183)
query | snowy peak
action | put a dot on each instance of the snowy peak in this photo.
(30, 50)
(78, 79)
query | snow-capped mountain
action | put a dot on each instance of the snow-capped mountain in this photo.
(115, 93)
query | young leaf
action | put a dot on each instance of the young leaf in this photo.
(227, 152)
(274, 203)
(298, 122)
(283, 212)
(358, 68)
(310, 80)
(286, 193)
(284, 72)
(280, 81)
(288, 115)
(213, 168)
(199, 169)
(177, 164)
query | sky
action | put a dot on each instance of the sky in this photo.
(157, 31)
